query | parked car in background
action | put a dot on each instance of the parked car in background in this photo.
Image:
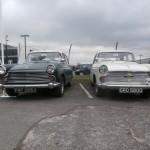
(118, 70)
(41, 70)
(83, 69)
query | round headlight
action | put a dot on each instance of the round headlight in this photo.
(2, 70)
(103, 69)
(51, 69)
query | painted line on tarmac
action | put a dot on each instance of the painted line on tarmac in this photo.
(88, 94)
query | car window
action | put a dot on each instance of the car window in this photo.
(65, 57)
(118, 56)
(43, 56)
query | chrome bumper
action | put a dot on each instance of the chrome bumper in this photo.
(117, 86)
(49, 85)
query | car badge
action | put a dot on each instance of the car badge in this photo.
(129, 74)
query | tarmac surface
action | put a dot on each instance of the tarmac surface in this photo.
(91, 128)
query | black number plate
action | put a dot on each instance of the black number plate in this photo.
(130, 90)
(25, 90)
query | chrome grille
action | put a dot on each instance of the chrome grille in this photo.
(137, 77)
(23, 77)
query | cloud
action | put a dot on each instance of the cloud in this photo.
(80, 22)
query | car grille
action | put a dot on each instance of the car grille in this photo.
(122, 77)
(28, 78)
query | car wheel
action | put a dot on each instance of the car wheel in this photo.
(98, 91)
(10, 92)
(69, 84)
(145, 94)
(60, 89)
(92, 84)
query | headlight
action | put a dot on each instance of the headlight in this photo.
(103, 69)
(2, 70)
(51, 69)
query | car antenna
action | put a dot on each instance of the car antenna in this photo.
(69, 52)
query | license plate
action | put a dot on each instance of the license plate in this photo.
(130, 90)
(25, 90)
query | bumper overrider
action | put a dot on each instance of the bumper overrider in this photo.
(117, 86)
(49, 85)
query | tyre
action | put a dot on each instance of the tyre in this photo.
(68, 84)
(98, 91)
(60, 89)
(11, 92)
(145, 94)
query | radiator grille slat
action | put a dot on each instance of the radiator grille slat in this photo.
(122, 77)
(24, 77)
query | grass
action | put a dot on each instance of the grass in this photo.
(81, 78)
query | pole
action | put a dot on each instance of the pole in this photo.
(116, 45)
(1, 32)
(6, 37)
(69, 52)
(24, 36)
(140, 58)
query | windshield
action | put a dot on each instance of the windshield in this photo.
(42, 57)
(119, 56)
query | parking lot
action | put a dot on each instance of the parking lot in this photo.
(76, 121)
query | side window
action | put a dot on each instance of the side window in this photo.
(65, 57)
(94, 61)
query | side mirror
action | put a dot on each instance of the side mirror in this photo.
(96, 60)
(62, 60)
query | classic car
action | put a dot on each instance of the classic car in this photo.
(41, 70)
(83, 69)
(118, 70)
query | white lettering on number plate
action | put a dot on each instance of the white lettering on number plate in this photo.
(130, 90)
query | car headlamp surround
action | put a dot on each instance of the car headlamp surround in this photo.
(51, 69)
(103, 69)
(2, 70)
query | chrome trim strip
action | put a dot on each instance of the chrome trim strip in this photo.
(49, 85)
(106, 86)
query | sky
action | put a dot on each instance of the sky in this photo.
(89, 25)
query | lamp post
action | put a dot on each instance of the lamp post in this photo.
(1, 32)
(25, 42)
(140, 58)
(6, 38)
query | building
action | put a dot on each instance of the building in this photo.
(10, 54)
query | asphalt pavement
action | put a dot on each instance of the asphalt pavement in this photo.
(91, 128)
(75, 121)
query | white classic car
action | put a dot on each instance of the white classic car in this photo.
(119, 70)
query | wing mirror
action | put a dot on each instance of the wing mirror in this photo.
(96, 60)
(62, 60)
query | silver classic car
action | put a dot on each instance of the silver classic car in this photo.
(119, 70)
(41, 70)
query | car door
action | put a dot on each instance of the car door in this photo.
(67, 68)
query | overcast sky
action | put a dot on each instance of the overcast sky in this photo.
(87, 24)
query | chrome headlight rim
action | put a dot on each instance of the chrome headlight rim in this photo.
(2, 70)
(51, 69)
(103, 69)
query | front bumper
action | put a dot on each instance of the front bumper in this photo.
(49, 85)
(117, 86)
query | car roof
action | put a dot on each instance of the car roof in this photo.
(114, 51)
(52, 51)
